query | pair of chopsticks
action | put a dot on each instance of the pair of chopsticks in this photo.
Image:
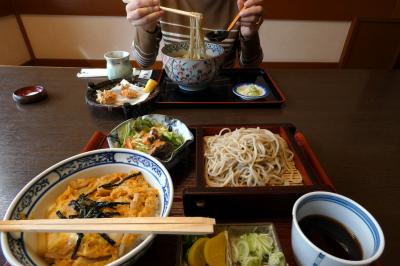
(173, 10)
(134, 225)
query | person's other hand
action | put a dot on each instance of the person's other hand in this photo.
(144, 13)
(251, 17)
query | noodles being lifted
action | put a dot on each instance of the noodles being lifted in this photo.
(249, 157)
(196, 43)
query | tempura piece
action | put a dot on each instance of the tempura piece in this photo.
(128, 93)
(106, 97)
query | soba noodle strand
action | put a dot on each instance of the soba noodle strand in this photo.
(249, 157)
(196, 42)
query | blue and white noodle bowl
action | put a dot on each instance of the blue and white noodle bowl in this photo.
(192, 74)
(34, 199)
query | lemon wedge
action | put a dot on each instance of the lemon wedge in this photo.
(196, 252)
(215, 250)
(150, 86)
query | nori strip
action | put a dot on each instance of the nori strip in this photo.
(60, 215)
(111, 185)
(78, 244)
(107, 238)
(87, 208)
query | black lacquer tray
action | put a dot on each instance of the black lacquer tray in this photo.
(219, 93)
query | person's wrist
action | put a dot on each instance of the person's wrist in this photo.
(246, 37)
(150, 28)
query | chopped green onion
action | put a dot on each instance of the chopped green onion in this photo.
(254, 249)
(276, 259)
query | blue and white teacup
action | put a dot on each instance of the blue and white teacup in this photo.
(352, 215)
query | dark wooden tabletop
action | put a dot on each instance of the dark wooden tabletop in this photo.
(350, 117)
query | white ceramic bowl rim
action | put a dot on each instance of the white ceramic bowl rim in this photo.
(361, 212)
(116, 54)
(192, 59)
(4, 236)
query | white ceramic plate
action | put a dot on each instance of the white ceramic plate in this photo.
(264, 92)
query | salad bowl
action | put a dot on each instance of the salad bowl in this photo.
(159, 135)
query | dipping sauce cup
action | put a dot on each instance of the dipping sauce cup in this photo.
(358, 222)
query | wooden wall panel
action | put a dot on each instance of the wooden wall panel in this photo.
(372, 43)
(71, 7)
(6, 8)
(328, 9)
(274, 9)
(396, 11)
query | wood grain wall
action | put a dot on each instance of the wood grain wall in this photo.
(396, 11)
(312, 10)
(328, 9)
(372, 43)
(6, 8)
(274, 9)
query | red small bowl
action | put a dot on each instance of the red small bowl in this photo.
(30, 94)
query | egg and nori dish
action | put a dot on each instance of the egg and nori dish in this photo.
(113, 195)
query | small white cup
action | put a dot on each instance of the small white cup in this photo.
(118, 65)
(344, 210)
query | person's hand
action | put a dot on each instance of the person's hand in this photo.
(144, 13)
(251, 17)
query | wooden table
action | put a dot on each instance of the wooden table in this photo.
(350, 118)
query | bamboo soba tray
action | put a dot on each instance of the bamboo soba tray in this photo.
(256, 202)
(219, 93)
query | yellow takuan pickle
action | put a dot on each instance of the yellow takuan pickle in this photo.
(150, 85)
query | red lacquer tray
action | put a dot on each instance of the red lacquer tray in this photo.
(193, 198)
(184, 177)
(219, 92)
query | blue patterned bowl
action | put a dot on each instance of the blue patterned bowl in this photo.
(34, 199)
(191, 74)
(171, 123)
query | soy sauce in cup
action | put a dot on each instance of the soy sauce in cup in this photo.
(331, 236)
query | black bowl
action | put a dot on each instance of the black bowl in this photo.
(128, 110)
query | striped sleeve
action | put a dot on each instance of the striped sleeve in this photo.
(145, 46)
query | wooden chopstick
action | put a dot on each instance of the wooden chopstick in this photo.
(173, 10)
(170, 229)
(235, 20)
(140, 225)
(122, 220)
(180, 12)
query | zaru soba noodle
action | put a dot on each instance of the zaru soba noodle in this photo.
(249, 157)
(113, 195)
